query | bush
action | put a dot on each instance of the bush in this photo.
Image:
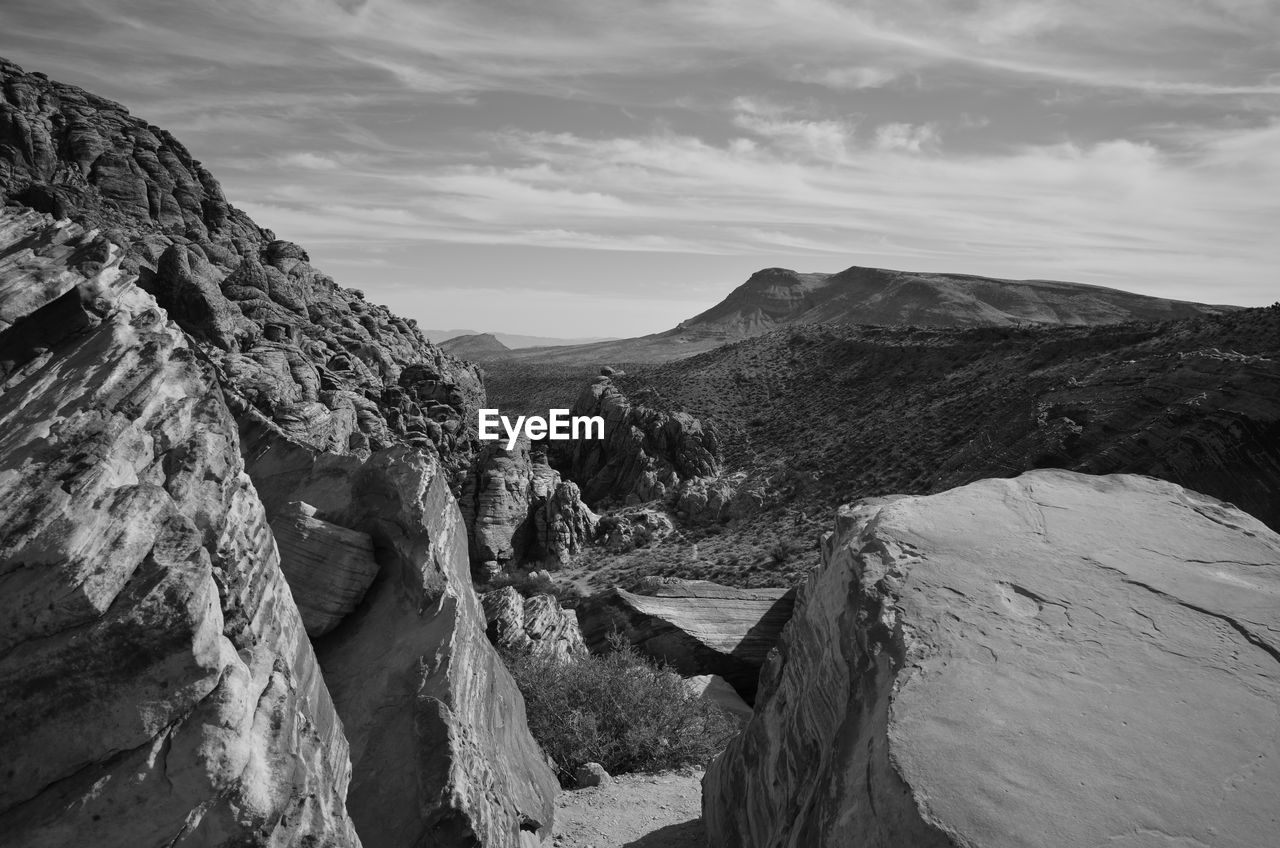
(619, 710)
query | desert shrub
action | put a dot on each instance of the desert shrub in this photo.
(620, 710)
(782, 551)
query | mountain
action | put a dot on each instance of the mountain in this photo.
(511, 340)
(778, 297)
(477, 348)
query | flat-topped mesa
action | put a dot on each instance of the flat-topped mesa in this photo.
(156, 683)
(332, 370)
(645, 453)
(1054, 659)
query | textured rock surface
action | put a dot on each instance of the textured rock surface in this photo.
(521, 512)
(223, 732)
(535, 625)
(695, 627)
(156, 684)
(328, 567)
(645, 453)
(332, 370)
(1055, 659)
(717, 690)
(440, 750)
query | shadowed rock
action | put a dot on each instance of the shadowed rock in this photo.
(328, 567)
(1055, 659)
(694, 626)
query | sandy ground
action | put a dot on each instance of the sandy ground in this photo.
(634, 811)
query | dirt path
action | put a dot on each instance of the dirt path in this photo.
(634, 811)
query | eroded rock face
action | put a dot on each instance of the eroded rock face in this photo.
(535, 625)
(330, 369)
(1056, 659)
(645, 452)
(156, 683)
(695, 626)
(329, 568)
(521, 512)
(440, 749)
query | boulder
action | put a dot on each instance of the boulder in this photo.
(328, 567)
(634, 527)
(535, 625)
(440, 749)
(591, 774)
(714, 688)
(694, 626)
(156, 683)
(1055, 659)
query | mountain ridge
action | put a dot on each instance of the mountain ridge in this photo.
(773, 298)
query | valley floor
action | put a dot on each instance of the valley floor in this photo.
(634, 811)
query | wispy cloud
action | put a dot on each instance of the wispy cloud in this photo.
(1124, 143)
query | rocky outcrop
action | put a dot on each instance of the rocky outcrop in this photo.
(634, 527)
(440, 750)
(521, 512)
(160, 688)
(694, 626)
(535, 625)
(1055, 659)
(645, 452)
(330, 369)
(156, 683)
(329, 568)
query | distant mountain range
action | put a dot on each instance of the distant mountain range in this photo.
(778, 297)
(511, 340)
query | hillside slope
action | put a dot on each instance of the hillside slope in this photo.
(778, 297)
(813, 416)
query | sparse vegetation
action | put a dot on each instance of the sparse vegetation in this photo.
(619, 710)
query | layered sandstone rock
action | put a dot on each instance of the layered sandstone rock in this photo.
(645, 452)
(521, 512)
(535, 625)
(332, 370)
(156, 683)
(440, 750)
(329, 568)
(1055, 659)
(694, 626)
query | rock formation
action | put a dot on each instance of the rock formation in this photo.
(521, 512)
(479, 347)
(645, 452)
(329, 568)
(535, 625)
(1055, 659)
(156, 683)
(332, 370)
(176, 383)
(694, 626)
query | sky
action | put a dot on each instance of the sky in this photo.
(611, 167)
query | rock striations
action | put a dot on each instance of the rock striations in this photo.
(208, 451)
(157, 684)
(535, 625)
(1055, 659)
(696, 627)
